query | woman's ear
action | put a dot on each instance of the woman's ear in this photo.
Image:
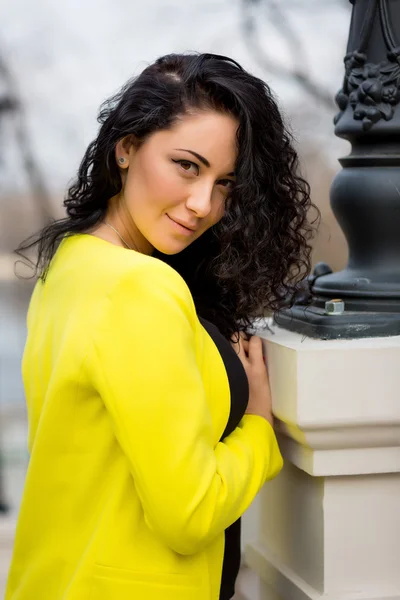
(123, 151)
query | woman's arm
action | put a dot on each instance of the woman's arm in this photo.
(145, 370)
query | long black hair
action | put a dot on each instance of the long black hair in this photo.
(253, 259)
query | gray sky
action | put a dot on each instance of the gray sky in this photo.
(67, 57)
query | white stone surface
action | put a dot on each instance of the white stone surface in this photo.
(329, 525)
(337, 402)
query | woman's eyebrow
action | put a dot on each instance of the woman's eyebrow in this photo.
(198, 156)
(201, 159)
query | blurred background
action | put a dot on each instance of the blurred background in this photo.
(60, 60)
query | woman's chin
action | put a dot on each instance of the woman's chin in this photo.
(170, 247)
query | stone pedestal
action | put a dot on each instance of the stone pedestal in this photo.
(329, 525)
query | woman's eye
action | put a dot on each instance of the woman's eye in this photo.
(188, 166)
(227, 183)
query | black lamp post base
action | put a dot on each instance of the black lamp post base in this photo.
(363, 300)
(313, 322)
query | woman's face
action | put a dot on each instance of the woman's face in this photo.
(176, 185)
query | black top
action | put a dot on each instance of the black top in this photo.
(239, 388)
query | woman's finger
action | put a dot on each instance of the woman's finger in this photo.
(241, 345)
(256, 350)
(235, 343)
(245, 345)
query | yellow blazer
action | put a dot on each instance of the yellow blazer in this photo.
(128, 490)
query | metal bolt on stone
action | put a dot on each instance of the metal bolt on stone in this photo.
(334, 307)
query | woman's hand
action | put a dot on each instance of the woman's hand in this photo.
(250, 353)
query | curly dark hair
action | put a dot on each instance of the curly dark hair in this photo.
(253, 259)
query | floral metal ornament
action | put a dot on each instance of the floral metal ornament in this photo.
(372, 90)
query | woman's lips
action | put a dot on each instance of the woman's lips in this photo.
(181, 228)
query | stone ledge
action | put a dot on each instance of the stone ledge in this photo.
(336, 402)
(284, 583)
(340, 461)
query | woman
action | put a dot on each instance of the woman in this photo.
(150, 430)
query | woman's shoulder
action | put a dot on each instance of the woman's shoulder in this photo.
(90, 267)
(127, 272)
(99, 258)
(146, 286)
(151, 275)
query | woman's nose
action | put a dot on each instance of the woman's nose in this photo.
(200, 201)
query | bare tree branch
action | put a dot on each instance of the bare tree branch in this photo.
(278, 18)
(298, 72)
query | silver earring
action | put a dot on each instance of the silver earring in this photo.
(121, 160)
